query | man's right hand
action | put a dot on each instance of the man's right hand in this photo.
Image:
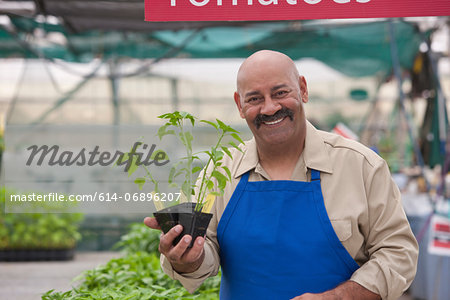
(182, 259)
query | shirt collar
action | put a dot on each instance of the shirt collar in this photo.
(315, 154)
(249, 159)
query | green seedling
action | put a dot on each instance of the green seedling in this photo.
(180, 124)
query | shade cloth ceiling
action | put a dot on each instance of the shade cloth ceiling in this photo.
(116, 29)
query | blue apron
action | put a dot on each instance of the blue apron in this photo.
(277, 242)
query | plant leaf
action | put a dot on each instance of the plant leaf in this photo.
(222, 125)
(165, 116)
(192, 118)
(196, 169)
(231, 129)
(140, 181)
(186, 188)
(163, 132)
(237, 137)
(235, 146)
(172, 174)
(209, 184)
(210, 123)
(179, 173)
(216, 155)
(133, 166)
(221, 179)
(227, 151)
(227, 171)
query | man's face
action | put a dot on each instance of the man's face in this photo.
(270, 97)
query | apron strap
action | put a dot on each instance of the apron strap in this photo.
(315, 175)
(245, 177)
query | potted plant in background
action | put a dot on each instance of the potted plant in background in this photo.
(37, 235)
(193, 215)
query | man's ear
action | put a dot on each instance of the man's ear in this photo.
(303, 88)
(237, 100)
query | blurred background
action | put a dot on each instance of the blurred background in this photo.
(97, 64)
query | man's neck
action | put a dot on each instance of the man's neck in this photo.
(279, 161)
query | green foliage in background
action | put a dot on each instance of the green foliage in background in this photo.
(136, 275)
(38, 230)
(139, 239)
(388, 148)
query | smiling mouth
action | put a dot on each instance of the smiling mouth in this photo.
(273, 119)
(274, 122)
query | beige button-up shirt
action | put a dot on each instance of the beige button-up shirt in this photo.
(362, 201)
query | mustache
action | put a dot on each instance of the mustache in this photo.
(283, 112)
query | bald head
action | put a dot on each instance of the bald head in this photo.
(270, 96)
(266, 60)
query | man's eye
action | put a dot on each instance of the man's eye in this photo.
(281, 93)
(252, 99)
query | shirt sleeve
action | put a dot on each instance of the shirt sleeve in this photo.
(390, 243)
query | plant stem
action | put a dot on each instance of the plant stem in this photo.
(202, 190)
(188, 147)
(151, 179)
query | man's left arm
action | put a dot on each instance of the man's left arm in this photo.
(349, 290)
(390, 246)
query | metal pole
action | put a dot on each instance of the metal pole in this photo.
(174, 89)
(114, 91)
(442, 106)
(397, 72)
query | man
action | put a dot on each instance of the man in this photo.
(308, 214)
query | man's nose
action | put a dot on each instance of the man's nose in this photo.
(270, 106)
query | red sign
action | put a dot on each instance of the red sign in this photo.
(255, 10)
(439, 242)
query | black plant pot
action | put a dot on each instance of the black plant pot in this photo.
(194, 223)
(36, 254)
(168, 217)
